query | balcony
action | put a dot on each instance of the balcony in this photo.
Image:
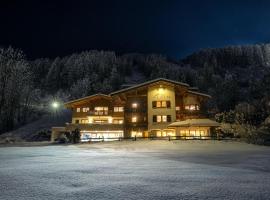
(95, 127)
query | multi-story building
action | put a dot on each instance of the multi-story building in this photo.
(156, 108)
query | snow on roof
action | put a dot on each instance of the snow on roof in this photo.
(195, 122)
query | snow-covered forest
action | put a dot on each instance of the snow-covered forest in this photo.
(237, 77)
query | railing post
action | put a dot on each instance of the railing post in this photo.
(135, 138)
(169, 138)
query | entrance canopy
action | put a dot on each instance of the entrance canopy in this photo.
(195, 123)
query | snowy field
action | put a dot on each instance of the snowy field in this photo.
(136, 170)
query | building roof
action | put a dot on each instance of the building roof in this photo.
(149, 82)
(87, 98)
(199, 93)
(195, 123)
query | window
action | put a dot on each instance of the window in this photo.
(161, 118)
(84, 121)
(164, 118)
(78, 109)
(154, 118)
(76, 121)
(192, 107)
(134, 105)
(177, 108)
(86, 109)
(169, 119)
(118, 109)
(134, 119)
(101, 110)
(161, 104)
(136, 133)
(118, 121)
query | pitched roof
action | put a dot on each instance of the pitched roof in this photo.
(199, 93)
(87, 98)
(147, 83)
(195, 123)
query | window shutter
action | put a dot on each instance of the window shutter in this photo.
(154, 118)
(154, 104)
(168, 104)
(169, 118)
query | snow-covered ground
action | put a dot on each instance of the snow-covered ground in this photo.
(136, 170)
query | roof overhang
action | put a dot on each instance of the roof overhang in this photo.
(195, 123)
(149, 83)
(75, 102)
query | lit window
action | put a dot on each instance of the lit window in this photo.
(164, 118)
(177, 108)
(84, 121)
(164, 104)
(134, 119)
(86, 109)
(161, 104)
(161, 118)
(192, 107)
(134, 105)
(101, 110)
(136, 133)
(158, 133)
(121, 121)
(118, 109)
(110, 120)
(78, 109)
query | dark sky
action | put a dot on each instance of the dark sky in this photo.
(171, 27)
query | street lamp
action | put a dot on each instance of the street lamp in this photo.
(55, 105)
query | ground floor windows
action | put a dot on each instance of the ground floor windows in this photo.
(194, 133)
(136, 133)
(101, 135)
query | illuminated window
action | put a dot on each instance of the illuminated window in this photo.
(158, 133)
(164, 104)
(78, 109)
(134, 119)
(161, 118)
(110, 120)
(101, 110)
(136, 133)
(84, 121)
(118, 121)
(134, 105)
(161, 104)
(177, 108)
(164, 118)
(192, 107)
(118, 109)
(86, 109)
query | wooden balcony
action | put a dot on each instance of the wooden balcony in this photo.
(95, 127)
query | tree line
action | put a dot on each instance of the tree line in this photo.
(234, 76)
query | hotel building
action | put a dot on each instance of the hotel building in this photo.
(157, 108)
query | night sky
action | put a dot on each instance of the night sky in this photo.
(170, 27)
